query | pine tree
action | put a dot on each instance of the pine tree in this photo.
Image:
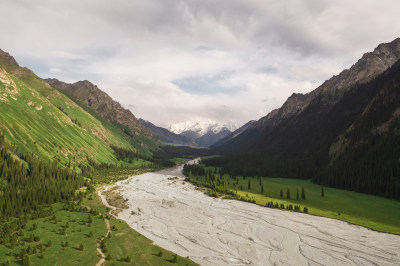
(81, 247)
(297, 197)
(288, 193)
(262, 188)
(248, 185)
(322, 191)
(281, 193)
(303, 194)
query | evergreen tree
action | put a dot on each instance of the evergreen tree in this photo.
(81, 247)
(288, 193)
(281, 193)
(248, 185)
(303, 194)
(322, 191)
(262, 188)
(297, 197)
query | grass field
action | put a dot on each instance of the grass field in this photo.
(178, 161)
(370, 211)
(74, 227)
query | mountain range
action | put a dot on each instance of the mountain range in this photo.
(165, 135)
(196, 132)
(343, 134)
(203, 132)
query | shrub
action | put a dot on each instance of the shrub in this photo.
(174, 258)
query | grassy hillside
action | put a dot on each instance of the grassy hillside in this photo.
(36, 125)
(40, 119)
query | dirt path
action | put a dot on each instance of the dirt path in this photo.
(212, 231)
(98, 246)
(101, 253)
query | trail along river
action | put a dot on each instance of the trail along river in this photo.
(213, 231)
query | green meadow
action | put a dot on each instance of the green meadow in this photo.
(373, 212)
(70, 237)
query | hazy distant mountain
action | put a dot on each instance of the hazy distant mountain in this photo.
(203, 132)
(165, 135)
(208, 139)
(233, 134)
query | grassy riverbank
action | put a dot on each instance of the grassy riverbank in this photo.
(373, 212)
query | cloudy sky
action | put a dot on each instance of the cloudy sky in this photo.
(169, 61)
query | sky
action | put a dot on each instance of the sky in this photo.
(169, 61)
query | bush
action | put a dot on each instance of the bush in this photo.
(305, 210)
(174, 258)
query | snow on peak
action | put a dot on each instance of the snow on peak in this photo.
(201, 126)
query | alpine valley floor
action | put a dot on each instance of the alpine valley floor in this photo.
(211, 231)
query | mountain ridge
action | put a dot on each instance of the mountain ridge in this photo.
(322, 139)
(368, 66)
(165, 135)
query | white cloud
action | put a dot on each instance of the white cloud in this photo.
(250, 54)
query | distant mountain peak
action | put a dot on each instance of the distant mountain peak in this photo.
(201, 126)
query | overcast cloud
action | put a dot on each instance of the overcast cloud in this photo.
(169, 61)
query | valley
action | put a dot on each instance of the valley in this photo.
(199, 133)
(213, 231)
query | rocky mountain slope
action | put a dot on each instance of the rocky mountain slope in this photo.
(165, 135)
(309, 132)
(91, 97)
(369, 66)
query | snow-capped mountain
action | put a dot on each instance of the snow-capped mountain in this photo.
(203, 132)
(201, 127)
